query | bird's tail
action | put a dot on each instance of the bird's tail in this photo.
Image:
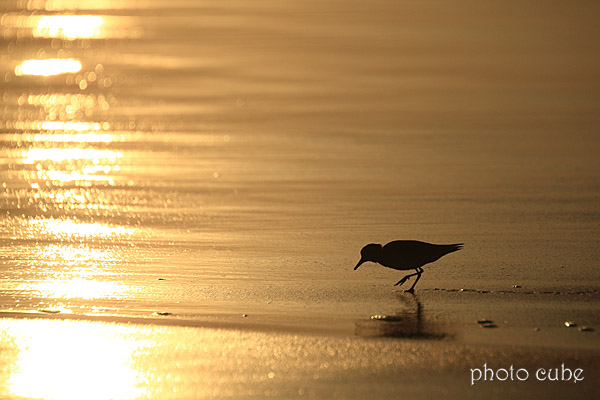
(453, 247)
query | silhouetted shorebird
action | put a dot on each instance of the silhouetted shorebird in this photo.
(406, 254)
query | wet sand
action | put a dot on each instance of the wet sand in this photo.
(425, 346)
(518, 316)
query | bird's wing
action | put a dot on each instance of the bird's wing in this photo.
(414, 253)
(408, 247)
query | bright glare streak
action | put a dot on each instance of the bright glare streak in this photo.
(67, 229)
(72, 360)
(73, 138)
(76, 255)
(69, 26)
(79, 288)
(52, 66)
(75, 176)
(71, 126)
(60, 155)
(61, 126)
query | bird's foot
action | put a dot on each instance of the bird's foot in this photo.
(411, 291)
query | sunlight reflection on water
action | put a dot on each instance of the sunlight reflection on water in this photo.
(48, 67)
(79, 288)
(62, 155)
(65, 267)
(70, 230)
(69, 26)
(71, 361)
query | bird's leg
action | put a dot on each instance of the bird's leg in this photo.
(401, 281)
(412, 288)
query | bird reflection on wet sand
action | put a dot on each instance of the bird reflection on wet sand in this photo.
(406, 323)
(406, 254)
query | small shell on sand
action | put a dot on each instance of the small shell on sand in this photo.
(570, 324)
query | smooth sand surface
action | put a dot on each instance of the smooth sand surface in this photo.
(426, 347)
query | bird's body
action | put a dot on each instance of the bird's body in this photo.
(405, 255)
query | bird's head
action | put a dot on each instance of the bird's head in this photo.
(370, 252)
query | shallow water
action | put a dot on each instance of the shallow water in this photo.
(214, 157)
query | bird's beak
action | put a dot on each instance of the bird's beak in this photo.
(359, 263)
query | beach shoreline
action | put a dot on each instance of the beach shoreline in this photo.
(544, 318)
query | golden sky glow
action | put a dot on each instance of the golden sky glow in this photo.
(49, 67)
